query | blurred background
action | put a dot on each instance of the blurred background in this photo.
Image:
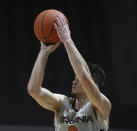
(105, 33)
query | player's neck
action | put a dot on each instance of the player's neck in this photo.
(80, 101)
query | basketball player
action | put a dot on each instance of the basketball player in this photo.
(90, 109)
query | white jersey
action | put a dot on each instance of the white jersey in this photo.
(83, 120)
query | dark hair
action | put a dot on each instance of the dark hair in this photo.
(97, 74)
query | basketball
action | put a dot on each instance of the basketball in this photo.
(44, 26)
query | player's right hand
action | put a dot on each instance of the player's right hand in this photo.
(49, 48)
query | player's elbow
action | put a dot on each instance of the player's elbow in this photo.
(32, 91)
(29, 89)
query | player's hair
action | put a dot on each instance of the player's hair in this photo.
(97, 74)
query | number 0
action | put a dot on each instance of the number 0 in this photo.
(72, 128)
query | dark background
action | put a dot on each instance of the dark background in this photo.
(105, 33)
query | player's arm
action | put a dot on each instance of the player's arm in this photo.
(44, 97)
(81, 70)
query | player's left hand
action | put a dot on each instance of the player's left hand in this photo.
(62, 28)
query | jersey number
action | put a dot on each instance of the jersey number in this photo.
(72, 128)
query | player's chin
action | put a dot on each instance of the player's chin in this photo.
(74, 92)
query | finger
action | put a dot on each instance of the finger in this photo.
(64, 21)
(56, 27)
(42, 44)
(54, 46)
(61, 19)
(58, 21)
(59, 42)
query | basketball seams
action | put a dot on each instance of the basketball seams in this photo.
(42, 24)
(53, 25)
(53, 29)
(50, 34)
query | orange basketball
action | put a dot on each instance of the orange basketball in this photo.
(44, 26)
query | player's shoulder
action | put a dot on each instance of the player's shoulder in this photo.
(65, 100)
(61, 96)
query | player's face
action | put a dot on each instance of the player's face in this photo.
(76, 87)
